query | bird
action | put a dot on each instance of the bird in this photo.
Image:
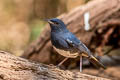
(68, 45)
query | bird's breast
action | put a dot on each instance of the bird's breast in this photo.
(68, 54)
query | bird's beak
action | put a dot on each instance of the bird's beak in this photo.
(50, 22)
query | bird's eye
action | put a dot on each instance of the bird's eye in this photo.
(56, 22)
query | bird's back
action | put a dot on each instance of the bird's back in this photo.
(59, 40)
(61, 46)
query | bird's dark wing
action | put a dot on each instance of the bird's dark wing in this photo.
(74, 42)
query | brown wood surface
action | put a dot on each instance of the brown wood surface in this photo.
(16, 68)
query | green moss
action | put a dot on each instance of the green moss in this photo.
(36, 28)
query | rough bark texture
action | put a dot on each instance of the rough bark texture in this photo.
(103, 13)
(16, 68)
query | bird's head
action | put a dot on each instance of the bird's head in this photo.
(56, 24)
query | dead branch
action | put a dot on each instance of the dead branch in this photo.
(16, 68)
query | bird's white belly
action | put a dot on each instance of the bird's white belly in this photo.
(66, 53)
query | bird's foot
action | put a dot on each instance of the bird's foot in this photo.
(57, 66)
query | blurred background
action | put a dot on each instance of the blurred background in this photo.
(20, 20)
(24, 33)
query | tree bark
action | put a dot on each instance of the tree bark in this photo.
(103, 13)
(16, 68)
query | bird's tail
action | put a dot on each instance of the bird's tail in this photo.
(94, 60)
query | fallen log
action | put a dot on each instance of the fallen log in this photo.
(103, 14)
(16, 68)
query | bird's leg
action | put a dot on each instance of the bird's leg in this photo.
(62, 62)
(80, 63)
